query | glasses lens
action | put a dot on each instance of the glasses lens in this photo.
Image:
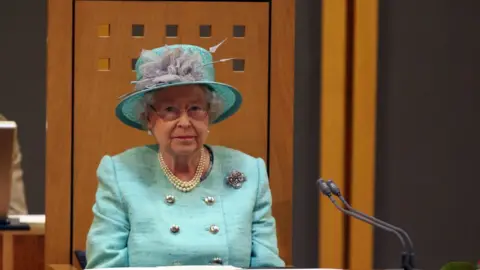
(169, 113)
(197, 114)
(173, 113)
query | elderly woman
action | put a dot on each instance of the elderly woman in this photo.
(180, 201)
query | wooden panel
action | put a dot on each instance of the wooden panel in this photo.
(25, 252)
(281, 120)
(333, 129)
(6, 253)
(98, 132)
(59, 120)
(29, 252)
(363, 131)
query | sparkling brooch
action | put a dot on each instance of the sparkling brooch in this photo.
(236, 179)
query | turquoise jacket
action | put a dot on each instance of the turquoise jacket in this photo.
(137, 213)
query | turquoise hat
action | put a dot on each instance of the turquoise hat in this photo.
(174, 65)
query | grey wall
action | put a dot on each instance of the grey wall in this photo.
(22, 92)
(428, 131)
(306, 133)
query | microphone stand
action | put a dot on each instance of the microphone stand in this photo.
(411, 254)
(327, 191)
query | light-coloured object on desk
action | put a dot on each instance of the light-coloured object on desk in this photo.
(36, 222)
(30, 219)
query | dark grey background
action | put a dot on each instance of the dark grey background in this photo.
(428, 129)
(306, 133)
(22, 92)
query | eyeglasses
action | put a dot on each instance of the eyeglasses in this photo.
(171, 113)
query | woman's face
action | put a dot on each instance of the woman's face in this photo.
(179, 119)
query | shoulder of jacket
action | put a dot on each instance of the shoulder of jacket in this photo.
(226, 153)
(135, 155)
(234, 160)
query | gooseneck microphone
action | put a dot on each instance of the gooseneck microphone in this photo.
(327, 191)
(336, 191)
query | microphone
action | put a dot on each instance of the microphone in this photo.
(336, 191)
(327, 191)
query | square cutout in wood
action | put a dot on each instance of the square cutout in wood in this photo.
(239, 31)
(205, 31)
(171, 30)
(133, 63)
(103, 64)
(238, 65)
(138, 30)
(103, 30)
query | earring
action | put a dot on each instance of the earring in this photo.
(149, 132)
(208, 131)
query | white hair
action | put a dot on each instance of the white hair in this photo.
(215, 105)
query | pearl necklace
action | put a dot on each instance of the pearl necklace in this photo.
(184, 186)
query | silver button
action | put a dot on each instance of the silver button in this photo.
(217, 260)
(209, 200)
(214, 229)
(174, 229)
(170, 199)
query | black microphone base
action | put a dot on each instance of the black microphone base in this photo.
(9, 224)
(407, 261)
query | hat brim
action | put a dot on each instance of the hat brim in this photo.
(127, 111)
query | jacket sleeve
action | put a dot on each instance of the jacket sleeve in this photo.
(108, 234)
(18, 204)
(264, 238)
